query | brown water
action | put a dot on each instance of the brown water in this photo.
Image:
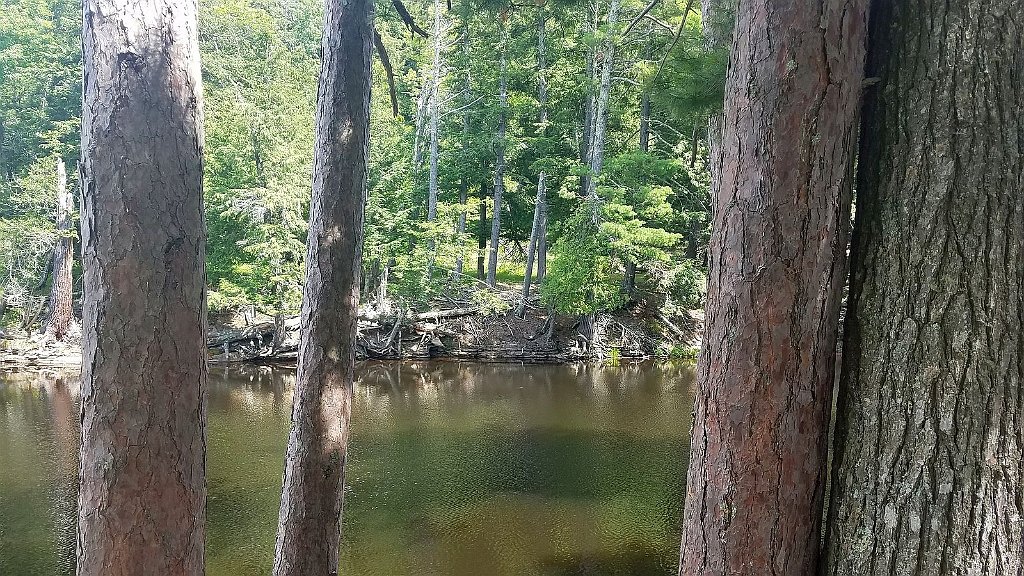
(455, 470)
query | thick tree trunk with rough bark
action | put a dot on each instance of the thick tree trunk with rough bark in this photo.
(499, 161)
(309, 528)
(929, 466)
(61, 318)
(142, 501)
(778, 262)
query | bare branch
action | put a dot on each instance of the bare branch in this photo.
(644, 13)
(385, 61)
(403, 12)
(679, 34)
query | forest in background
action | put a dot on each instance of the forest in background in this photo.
(595, 112)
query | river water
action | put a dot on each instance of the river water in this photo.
(455, 469)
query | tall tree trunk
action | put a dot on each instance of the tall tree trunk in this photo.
(309, 527)
(539, 210)
(596, 158)
(645, 122)
(645, 103)
(382, 287)
(481, 251)
(629, 269)
(628, 278)
(422, 103)
(60, 317)
(758, 446)
(542, 245)
(142, 498)
(460, 226)
(433, 111)
(929, 467)
(589, 100)
(499, 160)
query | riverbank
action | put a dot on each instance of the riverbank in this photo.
(636, 331)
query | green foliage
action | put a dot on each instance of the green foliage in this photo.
(581, 276)
(490, 303)
(685, 285)
(258, 119)
(260, 62)
(40, 103)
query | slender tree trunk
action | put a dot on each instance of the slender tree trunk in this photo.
(481, 251)
(460, 227)
(645, 105)
(629, 269)
(539, 210)
(645, 122)
(929, 467)
(628, 278)
(309, 528)
(421, 115)
(542, 245)
(142, 498)
(382, 288)
(279, 317)
(596, 160)
(499, 161)
(61, 318)
(589, 101)
(759, 440)
(433, 111)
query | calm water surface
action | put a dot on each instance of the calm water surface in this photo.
(455, 470)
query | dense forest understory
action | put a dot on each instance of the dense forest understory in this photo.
(545, 161)
(451, 329)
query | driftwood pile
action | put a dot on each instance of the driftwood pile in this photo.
(471, 333)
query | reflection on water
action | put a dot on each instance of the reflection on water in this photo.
(455, 469)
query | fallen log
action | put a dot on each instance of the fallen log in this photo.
(445, 314)
(675, 329)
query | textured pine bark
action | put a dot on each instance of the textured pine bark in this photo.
(142, 499)
(60, 317)
(781, 219)
(309, 527)
(929, 470)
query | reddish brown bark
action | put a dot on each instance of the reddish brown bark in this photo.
(758, 446)
(142, 498)
(309, 528)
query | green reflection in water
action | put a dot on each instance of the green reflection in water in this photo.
(455, 470)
